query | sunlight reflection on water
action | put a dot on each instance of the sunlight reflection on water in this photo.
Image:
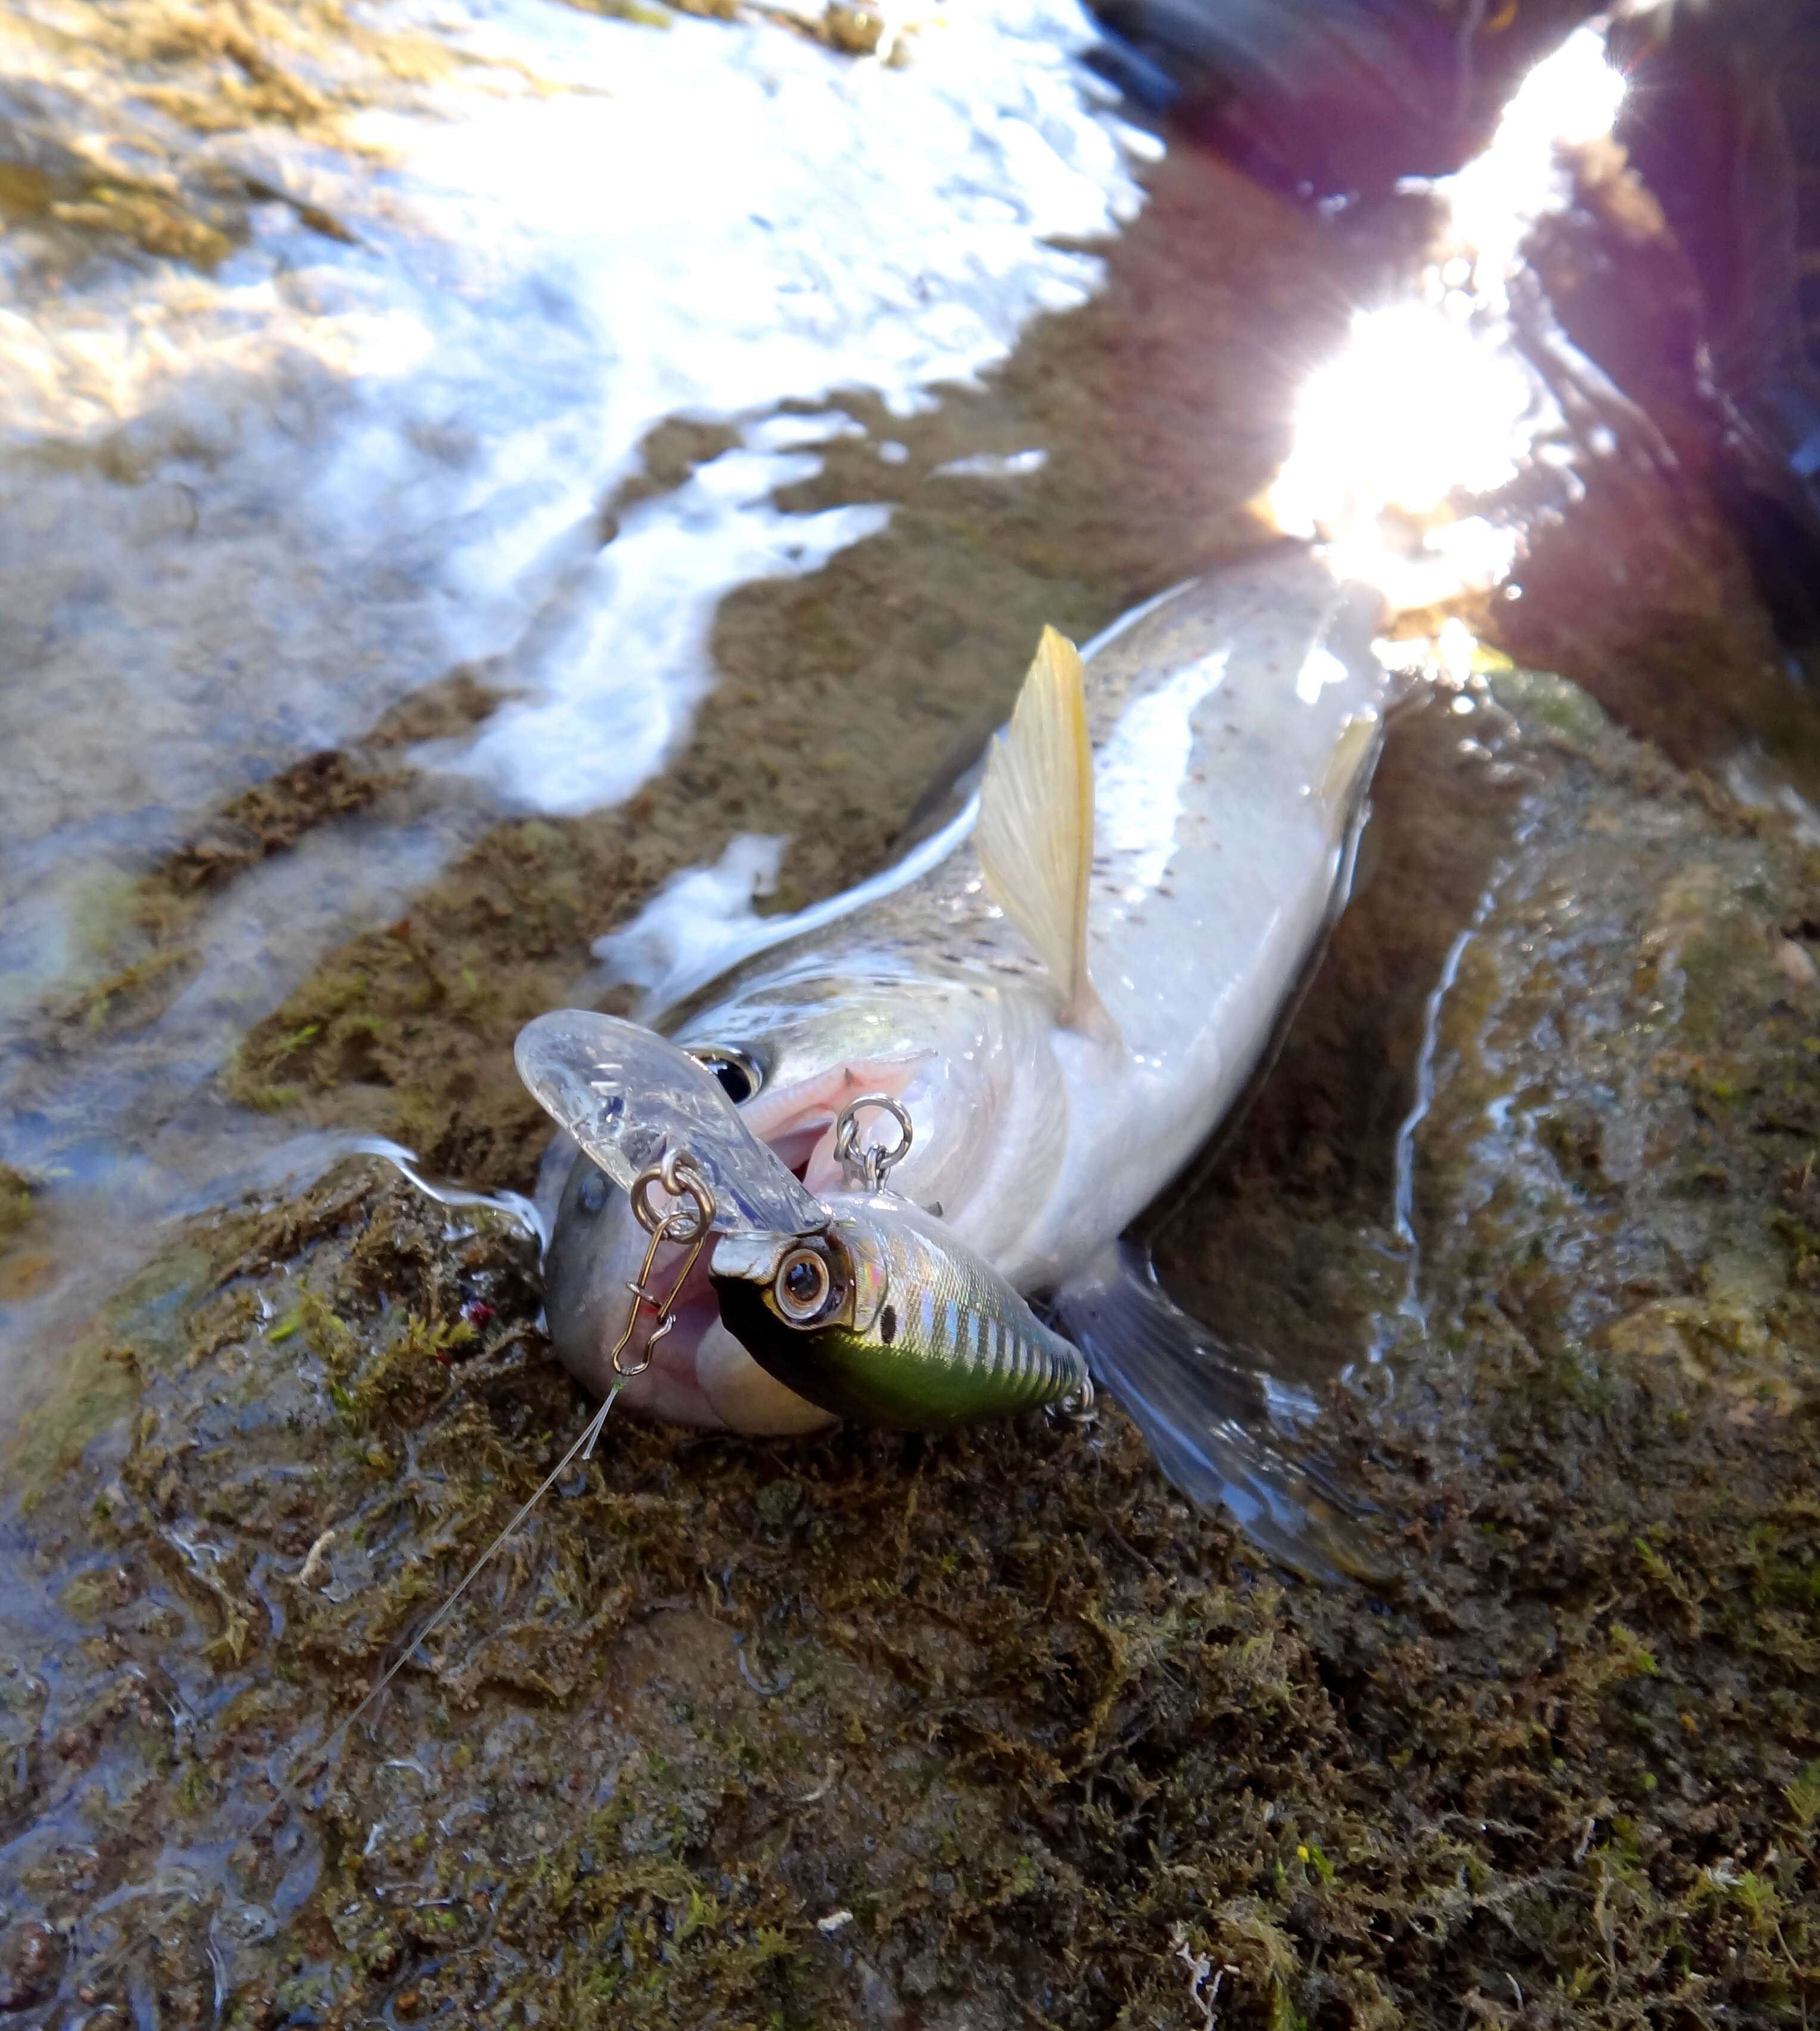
(1432, 406)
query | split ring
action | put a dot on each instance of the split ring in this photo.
(873, 1163)
(678, 1176)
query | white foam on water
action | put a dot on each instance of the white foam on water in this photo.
(336, 468)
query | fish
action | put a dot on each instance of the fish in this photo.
(1066, 989)
(859, 1301)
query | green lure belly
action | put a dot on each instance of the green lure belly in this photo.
(885, 1318)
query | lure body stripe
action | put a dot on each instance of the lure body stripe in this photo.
(969, 1347)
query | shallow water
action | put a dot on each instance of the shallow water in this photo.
(380, 437)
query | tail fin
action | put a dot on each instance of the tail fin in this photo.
(1211, 1421)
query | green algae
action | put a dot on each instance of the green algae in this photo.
(1542, 700)
(142, 1331)
(17, 1206)
(640, 11)
(107, 207)
(990, 1729)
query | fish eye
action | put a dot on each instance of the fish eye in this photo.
(802, 1285)
(739, 1076)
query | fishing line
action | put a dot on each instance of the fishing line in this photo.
(584, 1446)
(686, 1222)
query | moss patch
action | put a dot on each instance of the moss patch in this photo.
(15, 1203)
(990, 1728)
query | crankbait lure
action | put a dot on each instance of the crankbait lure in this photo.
(859, 1303)
(883, 1316)
(631, 1098)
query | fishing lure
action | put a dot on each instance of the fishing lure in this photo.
(885, 1316)
(857, 1302)
(884, 1319)
(632, 1099)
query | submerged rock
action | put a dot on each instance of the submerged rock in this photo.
(990, 1729)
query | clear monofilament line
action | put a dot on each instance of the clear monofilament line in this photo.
(679, 1175)
(584, 1447)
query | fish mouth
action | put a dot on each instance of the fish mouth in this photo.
(697, 1371)
(797, 1122)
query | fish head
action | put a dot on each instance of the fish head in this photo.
(971, 1062)
(697, 1372)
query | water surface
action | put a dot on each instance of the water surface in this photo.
(340, 393)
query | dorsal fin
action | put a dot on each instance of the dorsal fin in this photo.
(1035, 826)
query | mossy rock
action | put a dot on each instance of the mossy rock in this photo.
(990, 1728)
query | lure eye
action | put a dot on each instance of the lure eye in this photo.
(739, 1076)
(801, 1286)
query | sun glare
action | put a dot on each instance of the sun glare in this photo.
(1430, 409)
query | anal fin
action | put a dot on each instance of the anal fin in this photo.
(1035, 835)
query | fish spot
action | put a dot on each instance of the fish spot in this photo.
(887, 1324)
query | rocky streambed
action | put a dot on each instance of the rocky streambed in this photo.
(974, 1730)
(992, 1729)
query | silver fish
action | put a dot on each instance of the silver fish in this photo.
(1067, 993)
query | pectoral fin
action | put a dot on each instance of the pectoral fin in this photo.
(1211, 1421)
(1035, 826)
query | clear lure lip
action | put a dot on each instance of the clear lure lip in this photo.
(629, 1096)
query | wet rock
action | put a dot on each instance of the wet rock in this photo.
(854, 26)
(1795, 964)
(879, 2005)
(1063, 1749)
(15, 1203)
(1000, 1697)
